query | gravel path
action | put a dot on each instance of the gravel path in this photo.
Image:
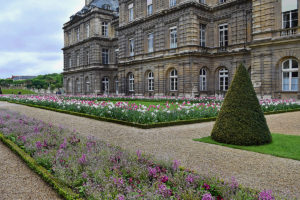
(18, 182)
(250, 169)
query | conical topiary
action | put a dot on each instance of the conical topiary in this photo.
(241, 120)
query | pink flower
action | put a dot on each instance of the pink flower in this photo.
(207, 196)
(139, 154)
(206, 186)
(266, 195)
(190, 179)
(152, 172)
(64, 144)
(234, 184)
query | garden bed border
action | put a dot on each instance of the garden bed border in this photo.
(137, 125)
(63, 190)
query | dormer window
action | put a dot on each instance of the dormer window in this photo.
(222, 1)
(149, 7)
(130, 10)
(172, 3)
(106, 7)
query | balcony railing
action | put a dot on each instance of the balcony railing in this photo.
(289, 31)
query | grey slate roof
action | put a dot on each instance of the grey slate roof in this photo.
(113, 4)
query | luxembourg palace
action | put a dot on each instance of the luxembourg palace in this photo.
(182, 48)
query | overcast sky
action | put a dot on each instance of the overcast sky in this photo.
(31, 35)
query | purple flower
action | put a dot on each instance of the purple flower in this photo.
(84, 175)
(64, 144)
(234, 184)
(121, 197)
(164, 191)
(266, 195)
(83, 160)
(190, 179)
(45, 143)
(176, 164)
(207, 196)
(139, 154)
(38, 145)
(164, 179)
(152, 172)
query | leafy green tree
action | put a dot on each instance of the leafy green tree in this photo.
(241, 120)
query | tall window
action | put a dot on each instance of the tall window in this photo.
(290, 75)
(174, 80)
(150, 81)
(223, 79)
(77, 59)
(149, 7)
(150, 42)
(173, 37)
(131, 47)
(203, 80)
(202, 35)
(105, 85)
(105, 56)
(172, 3)
(131, 82)
(78, 34)
(223, 33)
(70, 61)
(290, 19)
(130, 11)
(105, 29)
(87, 30)
(87, 57)
(69, 37)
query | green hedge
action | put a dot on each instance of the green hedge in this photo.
(137, 125)
(61, 188)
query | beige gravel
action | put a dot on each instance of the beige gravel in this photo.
(250, 169)
(18, 182)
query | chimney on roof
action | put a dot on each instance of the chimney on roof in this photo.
(87, 2)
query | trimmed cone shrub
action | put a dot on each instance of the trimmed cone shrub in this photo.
(241, 120)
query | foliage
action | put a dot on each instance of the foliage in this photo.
(16, 91)
(241, 120)
(97, 170)
(285, 146)
(40, 82)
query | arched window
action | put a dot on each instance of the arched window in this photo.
(290, 75)
(78, 88)
(223, 79)
(203, 86)
(174, 80)
(150, 81)
(105, 85)
(131, 82)
(87, 84)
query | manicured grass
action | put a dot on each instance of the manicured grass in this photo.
(16, 91)
(285, 146)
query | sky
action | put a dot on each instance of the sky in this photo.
(31, 35)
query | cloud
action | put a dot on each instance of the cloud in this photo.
(31, 35)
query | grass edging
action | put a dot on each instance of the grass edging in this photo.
(137, 125)
(282, 146)
(60, 188)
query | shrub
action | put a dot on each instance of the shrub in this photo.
(241, 120)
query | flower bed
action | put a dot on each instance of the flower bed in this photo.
(97, 170)
(143, 113)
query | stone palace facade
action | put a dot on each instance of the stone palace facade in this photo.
(182, 47)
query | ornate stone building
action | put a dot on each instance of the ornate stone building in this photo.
(182, 47)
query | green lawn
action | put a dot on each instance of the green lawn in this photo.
(16, 91)
(285, 146)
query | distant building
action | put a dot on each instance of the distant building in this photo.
(182, 47)
(21, 78)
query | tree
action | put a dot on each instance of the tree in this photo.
(241, 120)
